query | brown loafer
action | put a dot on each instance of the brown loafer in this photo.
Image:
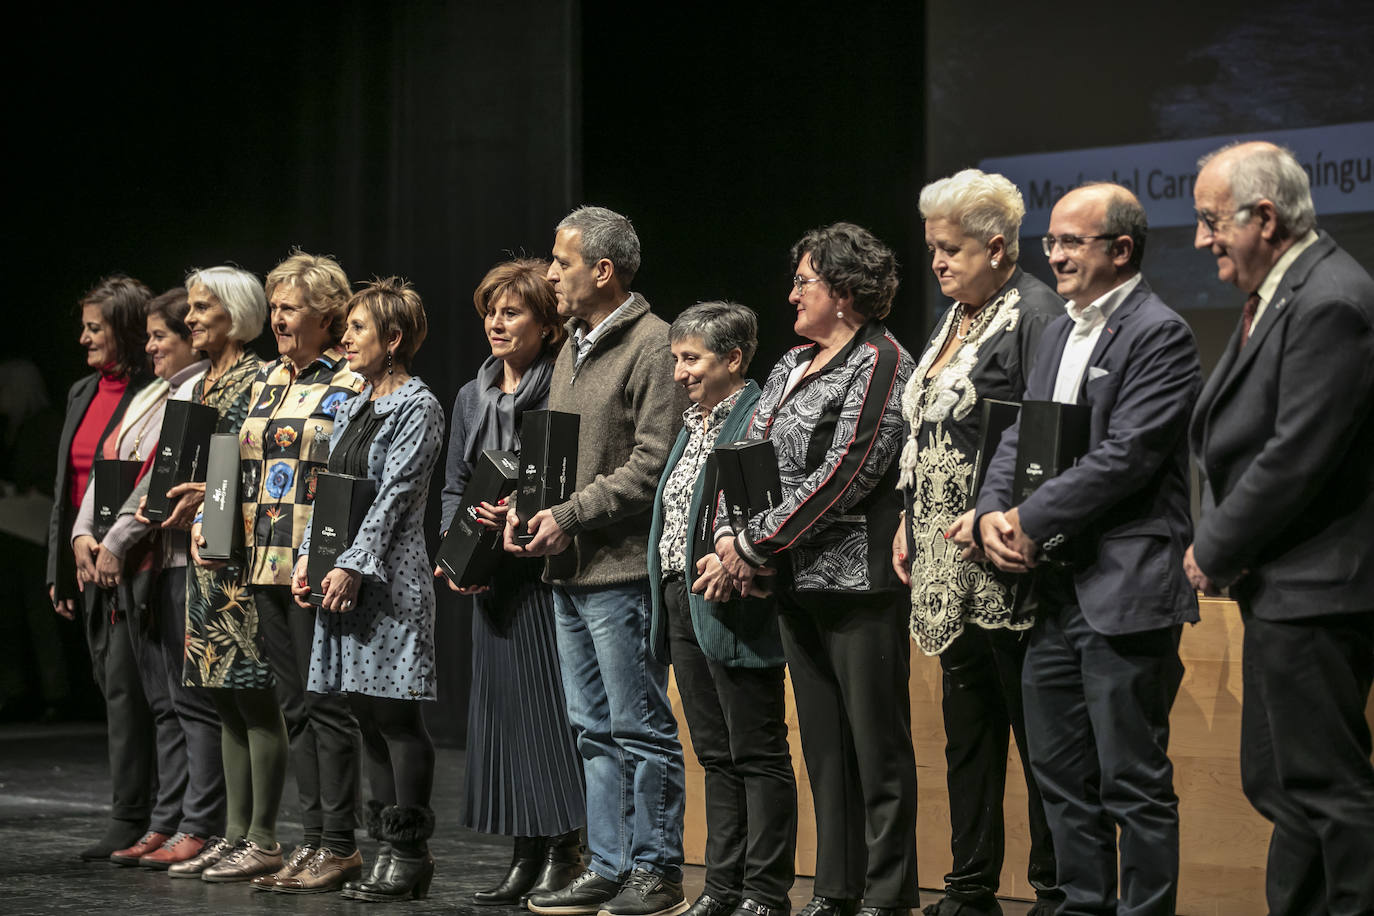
(179, 848)
(294, 863)
(323, 873)
(215, 848)
(245, 861)
(130, 855)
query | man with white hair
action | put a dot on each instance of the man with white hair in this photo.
(1284, 431)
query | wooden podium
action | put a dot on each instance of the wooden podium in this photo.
(1224, 843)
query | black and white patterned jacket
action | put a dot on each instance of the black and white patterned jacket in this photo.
(837, 435)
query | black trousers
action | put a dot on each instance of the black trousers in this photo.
(1097, 720)
(737, 719)
(140, 594)
(982, 705)
(129, 721)
(850, 660)
(1305, 747)
(202, 804)
(323, 733)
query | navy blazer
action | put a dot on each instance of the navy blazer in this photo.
(1123, 508)
(1284, 432)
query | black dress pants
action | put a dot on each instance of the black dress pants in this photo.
(129, 721)
(1097, 720)
(202, 805)
(850, 661)
(323, 733)
(139, 593)
(1304, 757)
(982, 705)
(737, 719)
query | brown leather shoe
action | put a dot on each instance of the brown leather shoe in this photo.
(179, 848)
(324, 872)
(294, 863)
(245, 861)
(215, 848)
(131, 854)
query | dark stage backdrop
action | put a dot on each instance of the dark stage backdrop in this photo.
(1035, 93)
(726, 130)
(426, 139)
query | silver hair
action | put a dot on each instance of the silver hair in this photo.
(241, 295)
(984, 204)
(1270, 172)
(606, 234)
(721, 327)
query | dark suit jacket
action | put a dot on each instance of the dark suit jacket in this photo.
(63, 512)
(1285, 434)
(1122, 511)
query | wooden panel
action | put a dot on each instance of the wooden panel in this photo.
(1224, 842)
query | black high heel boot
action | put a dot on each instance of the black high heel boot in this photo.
(562, 863)
(383, 860)
(411, 868)
(525, 864)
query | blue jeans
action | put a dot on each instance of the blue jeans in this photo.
(618, 704)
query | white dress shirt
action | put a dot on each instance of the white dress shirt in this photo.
(1088, 322)
(1275, 275)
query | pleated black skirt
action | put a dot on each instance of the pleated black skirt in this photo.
(524, 776)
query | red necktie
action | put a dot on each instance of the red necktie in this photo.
(1247, 317)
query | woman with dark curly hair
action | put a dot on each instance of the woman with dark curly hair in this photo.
(113, 334)
(832, 409)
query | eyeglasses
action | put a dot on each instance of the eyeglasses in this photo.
(800, 283)
(1214, 222)
(1071, 244)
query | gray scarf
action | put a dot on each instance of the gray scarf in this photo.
(497, 411)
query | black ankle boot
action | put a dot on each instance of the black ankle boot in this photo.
(562, 863)
(525, 864)
(411, 868)
(383, 860)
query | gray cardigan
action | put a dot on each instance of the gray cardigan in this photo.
(630, 411)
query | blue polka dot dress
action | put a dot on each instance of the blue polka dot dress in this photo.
(384, 646)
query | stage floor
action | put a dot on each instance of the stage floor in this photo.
(54, 795)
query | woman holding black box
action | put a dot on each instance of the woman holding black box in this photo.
(283, 445)
(149, 575)
(224, 645)
(726, 654)
(523, 777)
(374, 630)
(981, 350)
(113, 336)
(832, 411)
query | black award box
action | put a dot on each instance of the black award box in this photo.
(341, 502)
(747, 473)
(181, 453)
(1052, 437)
(994, 418)
(705, 535)
(222, 515)
(114, 481)
(548, 464)
(471, 550)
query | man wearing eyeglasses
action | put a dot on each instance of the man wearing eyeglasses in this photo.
(1284, 432)
(1102, 666)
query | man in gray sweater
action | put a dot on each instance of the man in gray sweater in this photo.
(616, 372)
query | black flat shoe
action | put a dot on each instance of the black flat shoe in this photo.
(749, 907)
(118, 835)
(587, 893)
(706, 905)
(830, 906)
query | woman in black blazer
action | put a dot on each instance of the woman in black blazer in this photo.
(113, 335)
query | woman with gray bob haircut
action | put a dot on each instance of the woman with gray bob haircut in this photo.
(726, 652)
(962, 609)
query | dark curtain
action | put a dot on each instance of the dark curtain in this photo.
(425, 139)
